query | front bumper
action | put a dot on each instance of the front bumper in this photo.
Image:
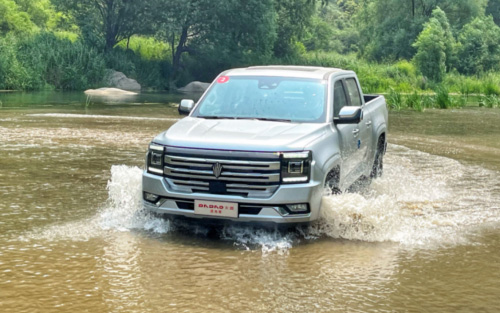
(252, 209)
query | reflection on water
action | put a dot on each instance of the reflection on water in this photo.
(74, 237)
(64, 99)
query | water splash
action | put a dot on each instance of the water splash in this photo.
(122, 212)
(267, 240)
(420, 200)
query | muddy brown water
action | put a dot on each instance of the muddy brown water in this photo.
(73, 238)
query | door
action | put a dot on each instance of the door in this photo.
(364, 139)
(348, 133)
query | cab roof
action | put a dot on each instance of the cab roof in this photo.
(287, 71)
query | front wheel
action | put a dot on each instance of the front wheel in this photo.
(332, 182)
(378, 164)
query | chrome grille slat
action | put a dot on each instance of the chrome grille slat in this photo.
(188, 173)
(190, 182)
(246, 179)
(230, 164)
(224, 175)
(244, 186)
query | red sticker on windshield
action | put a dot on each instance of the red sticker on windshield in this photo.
(223, 79)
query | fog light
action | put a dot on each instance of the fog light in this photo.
(297, 208)
(151, 197)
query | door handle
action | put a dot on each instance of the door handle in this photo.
(355, 132)
(369, 123)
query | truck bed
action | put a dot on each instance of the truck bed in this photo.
(369, 98)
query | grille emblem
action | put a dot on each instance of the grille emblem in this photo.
(217, 168)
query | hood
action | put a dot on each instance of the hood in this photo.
(243, 135)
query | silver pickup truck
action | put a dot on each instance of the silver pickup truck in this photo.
(264, 143)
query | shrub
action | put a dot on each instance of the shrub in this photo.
(149, 73)
(442, 98)
(395, 100)
(489, 101)
(491, 88)
(413, 100)
(60, 63)
(459, 101)
(148, 48)
(12, 74)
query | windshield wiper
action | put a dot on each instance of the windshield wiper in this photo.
(214, 117)
(264, 119)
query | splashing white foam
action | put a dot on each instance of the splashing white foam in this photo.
(122, 212)
(268, 240)
(420, 200)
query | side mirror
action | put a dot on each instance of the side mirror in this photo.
(186, 106)
(350, 115)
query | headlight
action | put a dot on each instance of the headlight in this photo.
(154, 159)
(295, 167)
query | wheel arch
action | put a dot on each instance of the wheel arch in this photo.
(332, 165)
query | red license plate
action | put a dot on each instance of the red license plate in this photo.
(216, 208)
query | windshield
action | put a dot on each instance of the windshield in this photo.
(266, 98)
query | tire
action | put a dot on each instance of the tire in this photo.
(378, 163)
(332, 182)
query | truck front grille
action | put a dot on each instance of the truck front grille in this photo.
(222, 175)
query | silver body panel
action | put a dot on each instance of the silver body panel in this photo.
(240, 144)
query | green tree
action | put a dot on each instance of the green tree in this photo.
(293, 16)
(107, 22)
(39, 11)
(449, 40)
(211, 30)
(332, 28)
(12, 73)
(478, 49)
(493, 9)
(12, 19)
(431, 51)
(389, 27)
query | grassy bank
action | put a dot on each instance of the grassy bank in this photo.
(50, 61)
(61, 61)
(402, 76)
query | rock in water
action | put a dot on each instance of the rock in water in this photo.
(119, 80)
(194, 87)
(109, 92)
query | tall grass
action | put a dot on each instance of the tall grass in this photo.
(146, 59)
(148, 48)
(45, 61)
(441, 99)
(151, 74)
(401, 76)
(63, 61)
(54, 61)
(490, 101)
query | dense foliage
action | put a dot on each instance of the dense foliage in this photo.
(394, 45)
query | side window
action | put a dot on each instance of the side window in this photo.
(339, 98)
(352, 89)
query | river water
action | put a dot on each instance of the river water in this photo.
(73, 237)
